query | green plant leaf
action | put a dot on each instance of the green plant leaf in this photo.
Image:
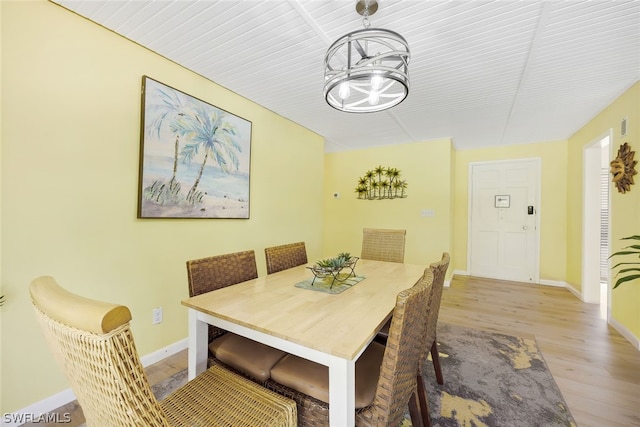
(626, 279)
(628, 250)
(345, 255)
(324, 263)
(623, 263)
(624, 253)
(626, 270)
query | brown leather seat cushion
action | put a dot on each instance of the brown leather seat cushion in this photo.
(312, 378)
(251, 357)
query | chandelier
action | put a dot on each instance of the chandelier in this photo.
(367, 70)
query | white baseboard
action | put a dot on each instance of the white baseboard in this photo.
(165, 352)
(556, 283)
(574, 291)
(52, 403)
(635, 341)
(562, 284)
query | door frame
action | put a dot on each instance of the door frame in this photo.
(591, 163)
(538, 206)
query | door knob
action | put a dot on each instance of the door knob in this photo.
(524, 227)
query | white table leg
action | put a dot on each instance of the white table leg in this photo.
(342, 386)
(198, 344)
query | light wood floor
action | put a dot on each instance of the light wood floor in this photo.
(596, 369)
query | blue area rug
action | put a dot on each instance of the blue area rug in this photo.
(492, 380)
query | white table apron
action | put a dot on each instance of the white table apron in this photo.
(341, 371)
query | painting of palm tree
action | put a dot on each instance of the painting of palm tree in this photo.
(195, 157)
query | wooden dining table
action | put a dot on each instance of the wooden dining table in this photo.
(330, 329)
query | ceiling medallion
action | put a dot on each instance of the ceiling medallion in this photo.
(623, 168)
(367, 70)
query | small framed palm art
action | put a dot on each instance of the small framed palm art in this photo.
(194, 157)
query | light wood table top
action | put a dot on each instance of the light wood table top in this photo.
(340, 325)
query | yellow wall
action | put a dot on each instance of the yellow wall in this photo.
(70, 143)
(552, 209)
(1, 293)
(425, 166)
(69, 174)
(625, 208)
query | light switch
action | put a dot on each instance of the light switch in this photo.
(428, 212)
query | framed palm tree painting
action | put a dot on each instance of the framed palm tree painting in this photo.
(194, 157)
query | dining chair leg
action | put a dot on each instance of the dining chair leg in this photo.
(436, 362)
(415, 412)
(422, 398)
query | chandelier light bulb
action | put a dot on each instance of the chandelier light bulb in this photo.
(376, 81)
(374, 97)
(376, 75)
(345, 91)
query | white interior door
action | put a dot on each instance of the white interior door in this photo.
(503, 220)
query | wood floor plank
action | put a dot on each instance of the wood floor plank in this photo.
(596, 368)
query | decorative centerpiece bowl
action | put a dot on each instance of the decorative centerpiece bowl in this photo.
(333, 267)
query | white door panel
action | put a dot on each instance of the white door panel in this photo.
(488, 257)
(503, 234)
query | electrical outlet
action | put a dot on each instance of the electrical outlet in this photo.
(157, 315)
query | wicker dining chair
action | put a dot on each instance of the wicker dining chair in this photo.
(439, 271)
(385, 375)
(215, 272)
(287, 256)
(246, 356)
(383, 245)
(93, 344)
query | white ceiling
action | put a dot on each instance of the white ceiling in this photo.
(484, 73)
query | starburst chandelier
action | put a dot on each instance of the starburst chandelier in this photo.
(367, 70)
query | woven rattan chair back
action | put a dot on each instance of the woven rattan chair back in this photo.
(439, 271)
(286, 256)
(98, 356)
(220, 271)
(92, 342)
(397, 381)
(383, 245)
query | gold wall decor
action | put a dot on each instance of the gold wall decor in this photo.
(381, 183)
(622, 168)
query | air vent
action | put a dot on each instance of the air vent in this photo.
(623, 127)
